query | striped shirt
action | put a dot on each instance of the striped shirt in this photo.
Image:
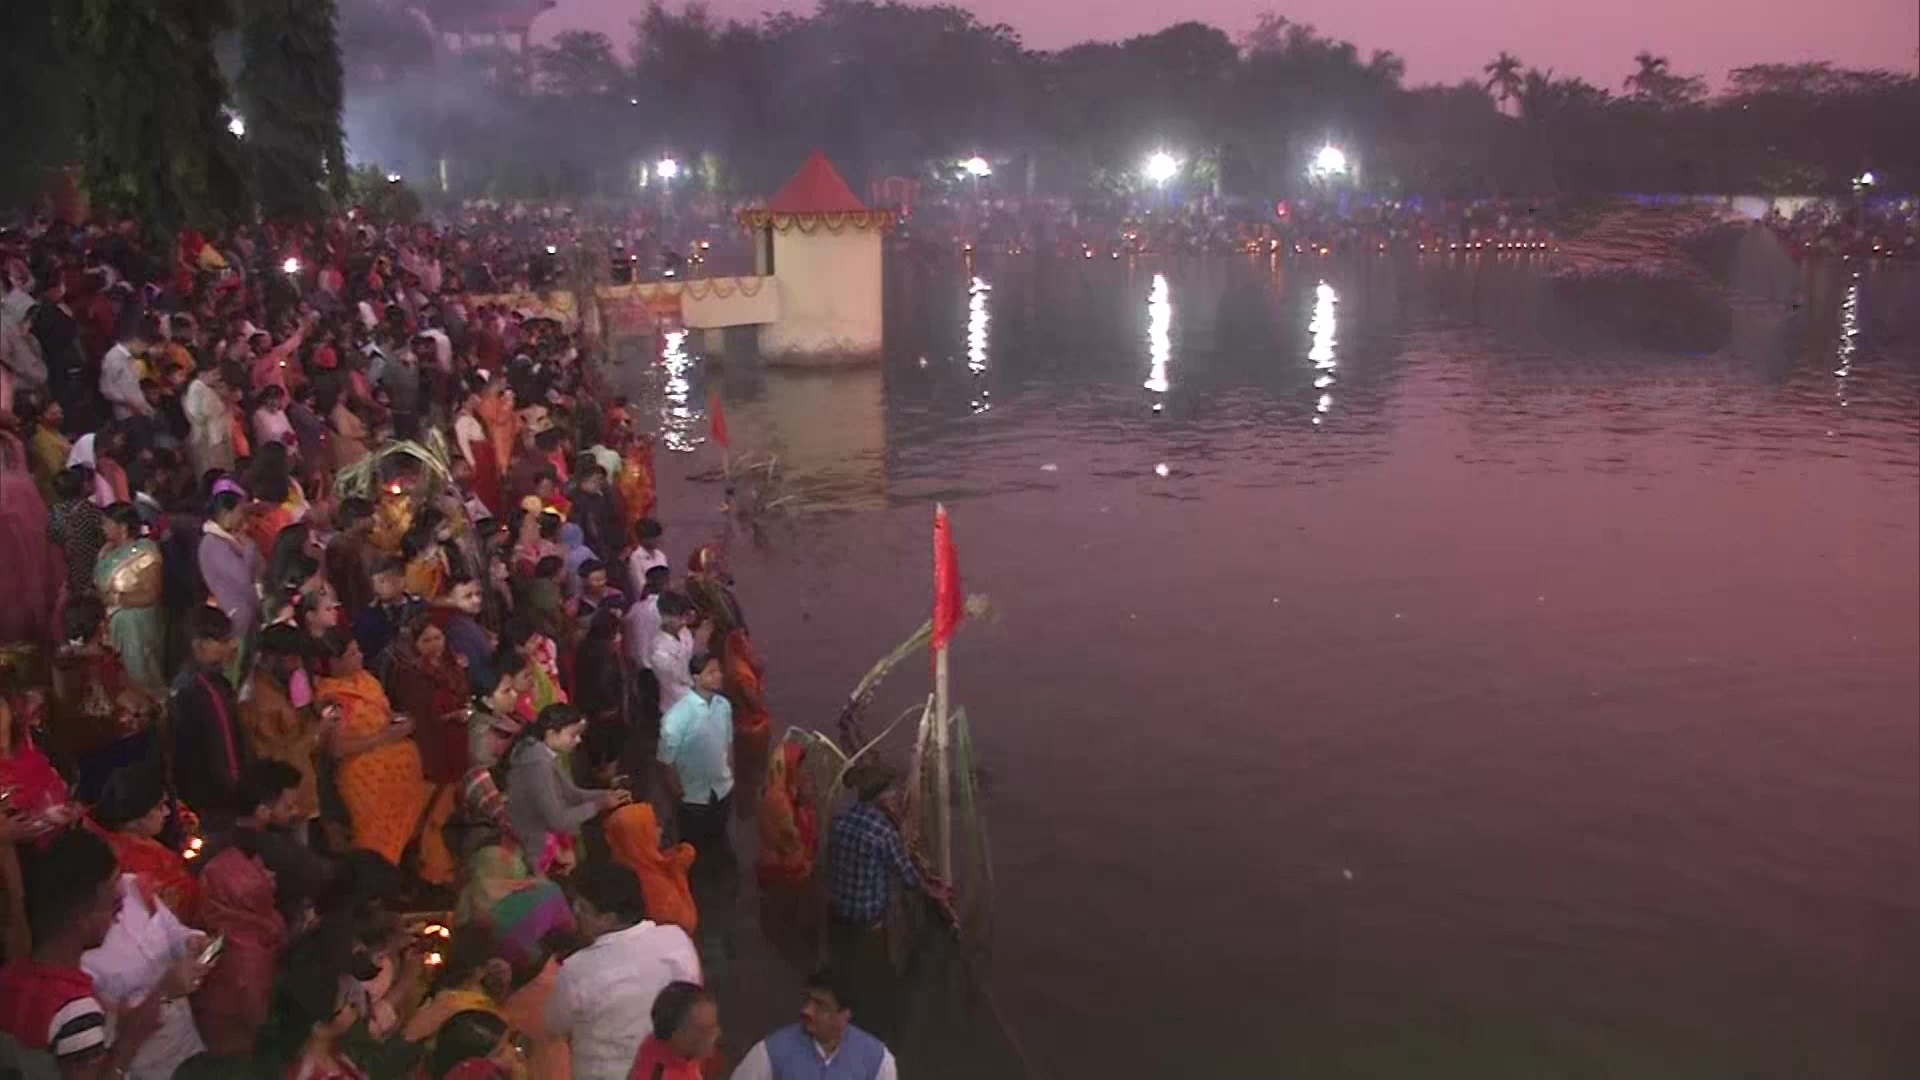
(52, 1009)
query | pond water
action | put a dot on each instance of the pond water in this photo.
(1395, 675)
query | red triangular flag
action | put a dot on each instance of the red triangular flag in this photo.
(948, 605)
(717, 416)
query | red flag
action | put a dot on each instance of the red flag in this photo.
(948, 605)
(717, 416)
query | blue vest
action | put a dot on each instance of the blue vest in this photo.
(794, 1056)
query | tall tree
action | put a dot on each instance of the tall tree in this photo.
(153, 134)
(1653, 82)
(290, 97)
(1504, 79)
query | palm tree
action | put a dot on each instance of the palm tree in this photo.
(1651, 77)
(1503, 77)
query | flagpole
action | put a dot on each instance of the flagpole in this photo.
(943, 776)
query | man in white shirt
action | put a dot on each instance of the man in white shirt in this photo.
(672, 650)
(120, 377)
(603, 997)
(643, 617)
(138, 955)
(647, 554)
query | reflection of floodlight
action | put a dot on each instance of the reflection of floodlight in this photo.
(237, 126)
(1865, 179)
(1162, 167)
(976, 166)
(668, 168)
(291, 266)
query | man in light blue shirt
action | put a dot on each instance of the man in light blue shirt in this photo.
(696, 745)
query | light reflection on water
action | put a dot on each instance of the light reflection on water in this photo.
(1561, 691)
(1159, 334)
(978, 322)
(678, 420)
(1322, 327)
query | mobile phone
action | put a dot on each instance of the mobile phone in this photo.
(212, 952)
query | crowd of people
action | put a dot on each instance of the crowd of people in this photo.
(1884, 228)
(355, 718)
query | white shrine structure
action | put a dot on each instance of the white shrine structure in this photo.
(822, 248)
(816, 294)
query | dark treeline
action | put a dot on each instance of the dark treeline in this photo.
(890, 89)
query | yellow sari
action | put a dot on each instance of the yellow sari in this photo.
(384, 789)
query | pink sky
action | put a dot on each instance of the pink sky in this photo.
(1450, 39)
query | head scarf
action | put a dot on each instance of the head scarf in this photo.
(633, 835)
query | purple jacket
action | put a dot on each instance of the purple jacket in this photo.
(231, 567)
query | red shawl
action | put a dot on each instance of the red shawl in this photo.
(232, 1005)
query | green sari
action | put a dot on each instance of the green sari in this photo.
(128, 579)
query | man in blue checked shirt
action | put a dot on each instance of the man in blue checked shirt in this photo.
(865, 856)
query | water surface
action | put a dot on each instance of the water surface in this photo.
(1397, 675)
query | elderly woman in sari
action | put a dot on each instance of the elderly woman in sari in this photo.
(378, 766)
(127, 576)
(131, 811)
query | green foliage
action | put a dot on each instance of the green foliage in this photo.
(290, 92)
(40, 138)
(388, 200)
(152, 135)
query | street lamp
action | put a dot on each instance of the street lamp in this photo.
(667, 168)
(1329, 162)
(977, 167)
(236, 126)
(291, 266)
(1864, 180)
(1162, 167)
(393, 178)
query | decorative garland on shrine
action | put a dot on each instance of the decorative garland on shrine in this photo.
(697, 288)
(835, 222)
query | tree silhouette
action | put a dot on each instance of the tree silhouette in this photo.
(1503, 77)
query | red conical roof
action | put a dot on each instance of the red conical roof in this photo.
(816, 189)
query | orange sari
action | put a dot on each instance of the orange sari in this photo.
(384, 789)
(746, 691)
(633, 835)
(635, 484)
(789, 827)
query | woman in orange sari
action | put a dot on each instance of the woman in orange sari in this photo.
(378, 772)
(633, 835)
(789, 824)
(635, 484)
(130, 814)
(746, 692)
